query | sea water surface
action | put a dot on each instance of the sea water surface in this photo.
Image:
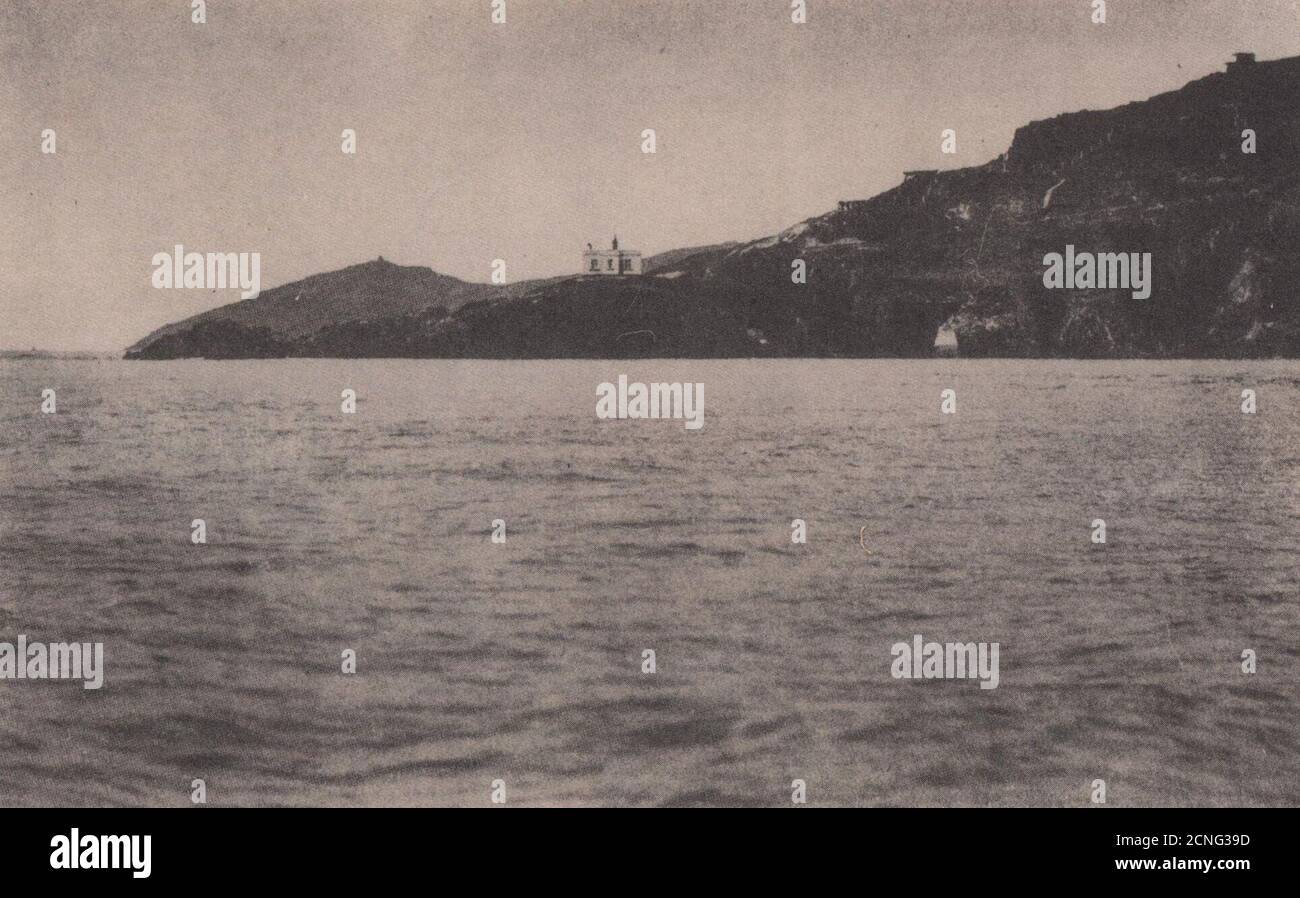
(522, 661)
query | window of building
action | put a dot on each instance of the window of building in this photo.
(595, 265)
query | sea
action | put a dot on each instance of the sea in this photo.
(1164, 661)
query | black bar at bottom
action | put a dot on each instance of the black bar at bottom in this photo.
(336, 848)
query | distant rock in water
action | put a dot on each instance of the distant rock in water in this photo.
(961, 250)
(34, 354)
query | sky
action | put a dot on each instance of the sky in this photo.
(519, 141)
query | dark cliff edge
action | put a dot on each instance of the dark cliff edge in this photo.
(962, 248)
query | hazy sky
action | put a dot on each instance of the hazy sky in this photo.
(519, 141)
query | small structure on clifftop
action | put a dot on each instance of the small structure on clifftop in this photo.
(1241, 62)
(612, 261)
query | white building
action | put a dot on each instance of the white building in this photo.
(945, 341)
(611, 261)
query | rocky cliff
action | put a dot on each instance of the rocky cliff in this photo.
(1165, 176)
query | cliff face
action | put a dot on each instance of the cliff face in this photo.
(1166, 176)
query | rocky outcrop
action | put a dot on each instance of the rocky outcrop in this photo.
(1165, 176)
(279, 320)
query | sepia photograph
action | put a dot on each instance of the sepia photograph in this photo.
(872, 404)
